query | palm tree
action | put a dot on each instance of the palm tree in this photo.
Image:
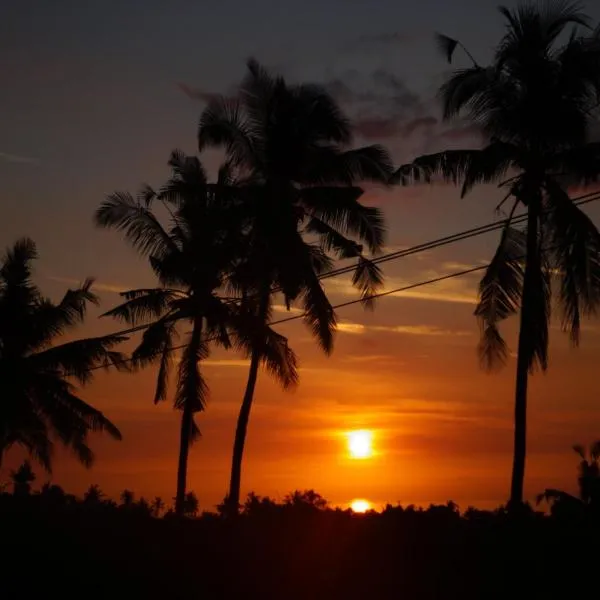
(290, 147)
(39, 402)
(22, 478)
(192, 259)
(588, 482)
(535, 104)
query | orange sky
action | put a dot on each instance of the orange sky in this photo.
(407, 371)
(91, 103)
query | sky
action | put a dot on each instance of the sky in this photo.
(93, 97)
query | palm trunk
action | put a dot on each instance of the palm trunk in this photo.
(523, 363)
(233, 499)
(186, 431)
(184, 448)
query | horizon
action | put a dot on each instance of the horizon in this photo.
(100, 111)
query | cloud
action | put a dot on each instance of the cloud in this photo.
(196, 93)
(17, 159)
(204, 96)
(457, 290)
(380, 103)
(97, 286)
(420, 330)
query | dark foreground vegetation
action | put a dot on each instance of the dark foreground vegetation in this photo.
(98, 549)
(94, 547)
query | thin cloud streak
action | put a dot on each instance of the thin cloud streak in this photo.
(17, 159)
(98, 287)
(422, 330)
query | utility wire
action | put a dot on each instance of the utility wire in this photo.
(470, 233)
(432, 244)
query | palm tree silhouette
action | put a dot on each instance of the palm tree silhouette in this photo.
(535, 104)
(588, 482)
(22, 478)
(290, 146)
(192, 260)
(39, 402)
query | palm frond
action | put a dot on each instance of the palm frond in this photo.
(319, 315)
(140, 226)
(329, 166)
(338, 208)
(278, 358)
(16, 263)
(368, 278)
(500, 293)
(575, 251)
(446, 45)
(77, 359)
(192, 390)
(223, 124)
(50, 320)
(143, 305)
(319, 115)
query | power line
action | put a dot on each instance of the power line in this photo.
(336, 306)
(430, 245)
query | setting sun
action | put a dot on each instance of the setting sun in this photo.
(360, 505)
(360, 443)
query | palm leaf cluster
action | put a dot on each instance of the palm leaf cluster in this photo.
(39, 400)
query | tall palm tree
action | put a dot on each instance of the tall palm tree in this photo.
(290, 145)
(39, 403)
(534, 104)
(192, 258)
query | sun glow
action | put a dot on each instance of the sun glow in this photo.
(360, 506)
(360, 443)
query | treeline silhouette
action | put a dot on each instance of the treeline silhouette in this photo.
(96, 548)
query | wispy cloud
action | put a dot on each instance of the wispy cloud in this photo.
(205, 96)
(18, 159)
(461, 291)
(97, 286)
(421, 330)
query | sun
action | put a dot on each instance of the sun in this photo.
(360, 443)
(360, 506)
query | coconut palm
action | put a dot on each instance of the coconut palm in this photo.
(192, 258)
(588, 482)
(39, 402)
(290, 145)
(534, 105)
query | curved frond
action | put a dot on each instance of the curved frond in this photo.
(575, 251)
(157, 343)
(76, 359)
(338, 208)
(143, 305)
(15, 269)
(319, 315)
(192, 390)
(50, 320)
(500, 293)
(279, 359)
(140, 226)
(319, 114)
(223, 124)
(329, 166)
(368, 278)
(446, 45)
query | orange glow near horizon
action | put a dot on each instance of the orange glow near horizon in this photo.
(360, 505)
(360, 444)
